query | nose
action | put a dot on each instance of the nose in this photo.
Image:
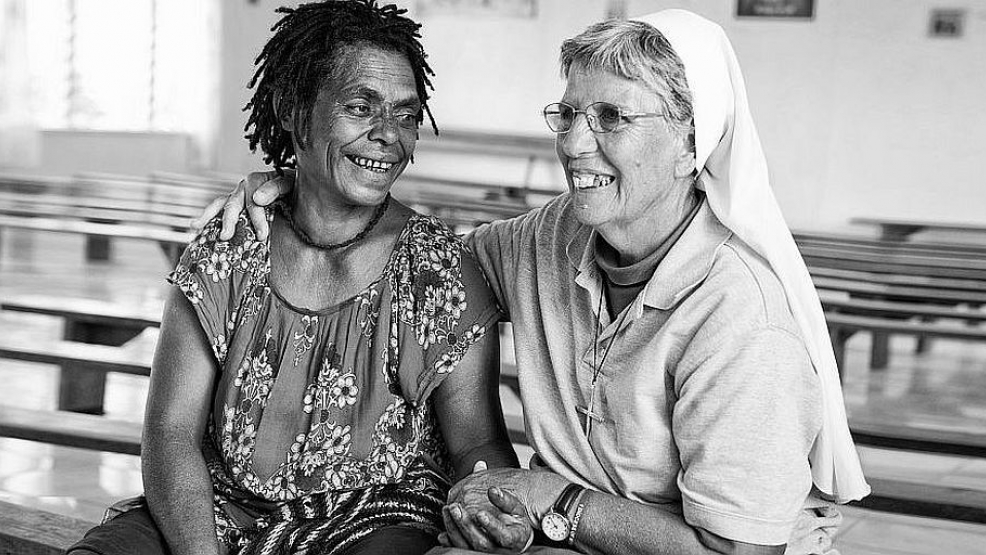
(385, 128)
(579, 140)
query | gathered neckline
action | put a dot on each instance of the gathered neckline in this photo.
(336, 307)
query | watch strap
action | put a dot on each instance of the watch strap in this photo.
(563, 505)
(579, 502)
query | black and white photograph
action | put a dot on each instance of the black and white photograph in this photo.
(453, 277)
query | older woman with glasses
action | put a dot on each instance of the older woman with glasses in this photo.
(678, 385)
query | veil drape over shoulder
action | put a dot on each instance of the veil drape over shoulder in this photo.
(732, 171)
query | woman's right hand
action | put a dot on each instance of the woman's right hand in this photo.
(256, 191)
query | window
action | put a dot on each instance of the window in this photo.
(123, 65)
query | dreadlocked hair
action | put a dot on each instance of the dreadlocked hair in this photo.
(303, 52)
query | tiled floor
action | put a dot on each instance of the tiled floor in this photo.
(945, 387)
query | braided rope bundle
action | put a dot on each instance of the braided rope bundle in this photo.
(328, 523)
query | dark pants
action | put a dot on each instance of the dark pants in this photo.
(130, 533)
(134, 533)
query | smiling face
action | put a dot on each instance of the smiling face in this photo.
(633, 174)
(363, 128)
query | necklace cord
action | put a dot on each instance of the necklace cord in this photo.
(286, 211)
(597, 365)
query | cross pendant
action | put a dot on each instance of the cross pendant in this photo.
(589, 417)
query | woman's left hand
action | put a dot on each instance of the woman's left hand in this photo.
(504, 530)
(536, 489)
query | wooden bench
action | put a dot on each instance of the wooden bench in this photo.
(869, 245)
(843, 326)
(85, 365)
(103, 207)
(877, 431)
(93, 333)
(900, 229)
(929, 500)
(28, 531)
(172, 242)
(898, 310)
(903, 280)
(923, 264)
(904, 293)
(909, 273)
(71, 429)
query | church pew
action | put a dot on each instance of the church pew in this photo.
(29, 531)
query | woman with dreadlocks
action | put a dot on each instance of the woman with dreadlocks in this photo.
(313, 391)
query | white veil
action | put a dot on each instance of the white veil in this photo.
(732, 171)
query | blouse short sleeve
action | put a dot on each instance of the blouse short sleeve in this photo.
(444, 304)
(213, 274)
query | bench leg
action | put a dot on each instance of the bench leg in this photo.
(98, 248)
(839, 337)
(880, 354)
(172, 251)
(898, 232)
(79, 389)
(923, 341)
(923, 344)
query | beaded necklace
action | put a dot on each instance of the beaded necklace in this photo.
(285, 211)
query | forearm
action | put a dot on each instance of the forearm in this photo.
(496, 453)
(179, 494)
(612, 525)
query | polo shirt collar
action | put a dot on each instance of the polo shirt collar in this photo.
(683, 268)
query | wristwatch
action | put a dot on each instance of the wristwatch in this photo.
(555, 523)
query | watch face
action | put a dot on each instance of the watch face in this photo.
(555, 526)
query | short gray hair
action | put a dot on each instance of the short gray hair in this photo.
(637, 51)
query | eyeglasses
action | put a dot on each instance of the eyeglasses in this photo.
(602, 117)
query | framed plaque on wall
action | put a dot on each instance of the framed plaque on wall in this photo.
(509, 8)
(790, 9)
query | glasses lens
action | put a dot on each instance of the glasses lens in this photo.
(607, 115)
(559, 117)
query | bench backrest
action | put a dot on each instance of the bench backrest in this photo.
(28, 531)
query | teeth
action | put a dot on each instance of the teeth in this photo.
(591, 180)
(372, 165)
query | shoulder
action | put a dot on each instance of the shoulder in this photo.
(746, 290)
(218, 259)
(741, 327)
(428, 239)
(243, 237)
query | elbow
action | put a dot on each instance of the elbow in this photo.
(719, 545)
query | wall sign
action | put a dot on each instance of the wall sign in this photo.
(947, 23)
(510, 8)
(789, 9)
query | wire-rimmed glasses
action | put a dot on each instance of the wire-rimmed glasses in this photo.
(603, 117)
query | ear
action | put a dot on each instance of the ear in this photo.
(685, 163)
(284, 112)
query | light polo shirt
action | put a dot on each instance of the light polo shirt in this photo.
(709, 404)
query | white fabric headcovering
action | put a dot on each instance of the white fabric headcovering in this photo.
(732, 171)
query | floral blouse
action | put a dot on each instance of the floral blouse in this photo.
(334, 399)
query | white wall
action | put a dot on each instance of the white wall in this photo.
(860, 112)
(65, 152)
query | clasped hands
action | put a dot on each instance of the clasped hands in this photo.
(495, 510)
